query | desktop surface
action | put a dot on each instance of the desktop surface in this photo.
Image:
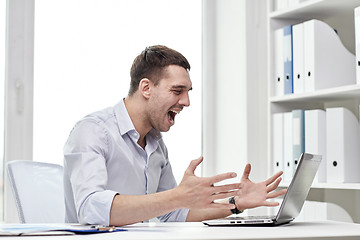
(198, 231)
(294, 230)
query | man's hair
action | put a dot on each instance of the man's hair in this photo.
(151, 64)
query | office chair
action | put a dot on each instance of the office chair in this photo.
(38, 191)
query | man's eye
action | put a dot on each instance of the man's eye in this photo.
(177, 92)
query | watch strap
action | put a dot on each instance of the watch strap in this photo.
(234, 210)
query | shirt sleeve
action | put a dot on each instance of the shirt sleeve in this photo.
(85, 164)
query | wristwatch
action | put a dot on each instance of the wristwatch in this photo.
(235, 210)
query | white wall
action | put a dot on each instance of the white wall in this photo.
(234, 97)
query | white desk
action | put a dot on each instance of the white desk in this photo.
(197, 231)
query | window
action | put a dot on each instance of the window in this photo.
(83, 53)
(2, 101)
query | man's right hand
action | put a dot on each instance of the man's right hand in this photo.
(200, 192)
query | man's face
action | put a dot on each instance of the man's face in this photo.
(169, 97)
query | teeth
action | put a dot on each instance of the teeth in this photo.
(172, 115)
(170, 118)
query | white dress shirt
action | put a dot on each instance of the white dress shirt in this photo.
(102, 159)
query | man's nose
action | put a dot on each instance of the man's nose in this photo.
(185, 100)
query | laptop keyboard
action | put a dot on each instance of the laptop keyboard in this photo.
(251, 217)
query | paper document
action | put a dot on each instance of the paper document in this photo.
(53, 229)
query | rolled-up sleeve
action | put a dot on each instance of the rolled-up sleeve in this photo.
(85, 166)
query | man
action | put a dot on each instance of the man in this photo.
(116, 166)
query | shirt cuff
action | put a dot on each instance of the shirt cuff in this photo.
(96, 209)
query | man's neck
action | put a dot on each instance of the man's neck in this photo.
(136, 113)
(142, 142)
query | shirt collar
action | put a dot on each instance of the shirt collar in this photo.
(126, 125)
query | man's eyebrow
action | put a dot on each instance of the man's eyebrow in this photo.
(180, 87)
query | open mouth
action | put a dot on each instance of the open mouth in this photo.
(171, 116)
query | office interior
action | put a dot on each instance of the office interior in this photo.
(236, 97)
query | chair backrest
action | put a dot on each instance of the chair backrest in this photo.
(38, 191)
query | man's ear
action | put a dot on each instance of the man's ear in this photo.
(145, 87)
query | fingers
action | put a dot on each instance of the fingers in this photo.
(222, 196)
(226, 188)
(274, 185)
(273, 178)
(270, 204)
(246, 173)
(193, 165)
(276, 194)
(224, 191)
(221, 177)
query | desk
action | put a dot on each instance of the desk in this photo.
(198, 231)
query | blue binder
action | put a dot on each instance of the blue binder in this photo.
(298, 120)
(288, 60)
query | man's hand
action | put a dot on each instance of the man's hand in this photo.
(200, 192)
(251, 195)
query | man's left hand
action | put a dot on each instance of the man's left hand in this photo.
(251, 195)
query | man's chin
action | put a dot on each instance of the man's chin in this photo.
(164, 129)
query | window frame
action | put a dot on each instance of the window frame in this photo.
(19, 71)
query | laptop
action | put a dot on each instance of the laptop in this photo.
(293, 200)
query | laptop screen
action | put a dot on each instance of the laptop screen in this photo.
(299, 187)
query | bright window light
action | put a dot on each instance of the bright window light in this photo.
(83, 53)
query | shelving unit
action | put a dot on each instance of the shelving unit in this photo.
(325, 95)
(339, 15)
(339, 186)
(319, 8)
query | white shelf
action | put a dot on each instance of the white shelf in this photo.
(339, 15)
(324, 95)
(317, 8)
(339, 186)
